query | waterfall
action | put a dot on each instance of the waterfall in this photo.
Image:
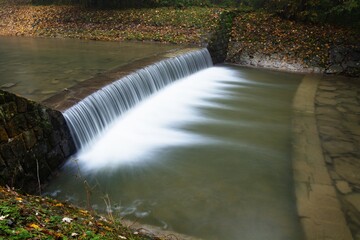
(94, 113)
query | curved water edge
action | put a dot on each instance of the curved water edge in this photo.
(93, 114)
(208, 156)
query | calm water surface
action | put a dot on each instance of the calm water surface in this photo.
(38, 68)
(209, 156)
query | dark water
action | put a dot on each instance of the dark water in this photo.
(39, 68)
(209, 156)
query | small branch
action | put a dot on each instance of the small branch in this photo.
(38, 174)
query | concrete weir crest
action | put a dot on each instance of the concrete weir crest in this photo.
(317, 204)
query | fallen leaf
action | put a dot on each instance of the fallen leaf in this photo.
(34, 226)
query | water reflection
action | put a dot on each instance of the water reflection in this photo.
(39, 68)
(209, 156)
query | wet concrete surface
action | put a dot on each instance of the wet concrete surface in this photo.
(70, 96)
(318, 206)
(337, 109)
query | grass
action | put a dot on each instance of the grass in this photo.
(36, 217)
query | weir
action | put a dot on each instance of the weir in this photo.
(207, 156)
(93, 114)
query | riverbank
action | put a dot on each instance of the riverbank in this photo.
(24, 216)
(36, 217)
(257, 39)
(268, 41)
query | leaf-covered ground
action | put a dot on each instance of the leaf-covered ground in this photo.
(306, 43)
(36, 217)
(161, 24)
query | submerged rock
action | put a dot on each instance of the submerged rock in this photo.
(343, 187)
(8, 85)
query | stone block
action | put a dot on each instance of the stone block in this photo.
(330, 95)
(33, 119)
(346, 99)
(337, 147)
(326, 101)
(18, 147)
(8, 111)
(332, 132)
(327, 88)
(6, 152)
(55, 157)
(348, 168)
(320, 212)
(336, 68)
(13, 165)
(315, 230)
(44, 169)
(40, 149)
(55, 138)
(353, 127)
(343, 187)
(353, 108)
(17, 125)
(39, 133)
(2, 164)
(351, 117)
(328, 111)
(57, 119)
(29, 138)
(2, 97)
(21, 104)
(67, 147)
(4, 138)
(354, 200)
(9, 97)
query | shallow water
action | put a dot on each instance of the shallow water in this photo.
(39, 68)
(209, 156)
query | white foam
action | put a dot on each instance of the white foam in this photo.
(149, 126)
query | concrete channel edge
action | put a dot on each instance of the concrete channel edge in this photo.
(318, 207)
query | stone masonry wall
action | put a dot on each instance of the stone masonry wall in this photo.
(344, 60)
(34, 141)
(219, 41)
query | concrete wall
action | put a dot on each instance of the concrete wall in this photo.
(34, 141)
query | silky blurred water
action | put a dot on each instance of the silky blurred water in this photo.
(38, 68)
(208, 156)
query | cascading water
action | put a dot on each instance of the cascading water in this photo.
(94, 113)
(207, 156)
